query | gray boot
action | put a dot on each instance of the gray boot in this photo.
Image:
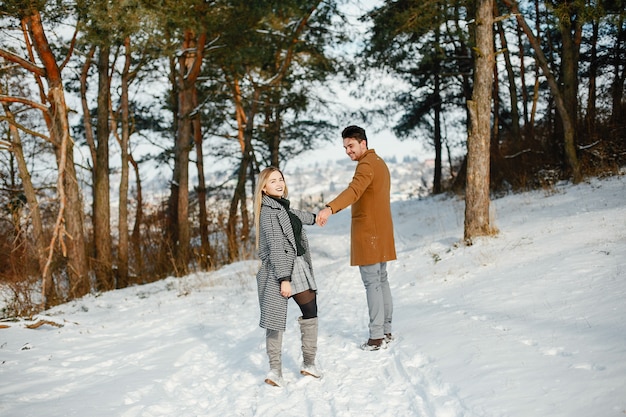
(274, 346)
(308, 330)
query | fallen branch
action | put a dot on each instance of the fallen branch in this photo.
(40, 323)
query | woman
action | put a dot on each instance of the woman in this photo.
(286, 271)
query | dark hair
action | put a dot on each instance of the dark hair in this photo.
(355, 132)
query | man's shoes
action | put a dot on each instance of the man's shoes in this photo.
(389, 337)
(374, 344)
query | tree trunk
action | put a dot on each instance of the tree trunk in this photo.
(136, 234)
(245, 129)
(495, 93)
(238, 196)
(273, 123)
(171, 227)
(84, 75)
(437, 188)
(522, 78)
(206, 252)
(182, 149)
(48, 291)
(617, 86)
(231, 226)
(590, 113)
(274, 139)
(238, 205)
(101, 188)
(70, 232)
(189, 65)
(477, 202)
(73, 244)
(515, 123)
(122, 246)
(571, 32)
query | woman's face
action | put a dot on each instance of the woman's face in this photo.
(275, 185)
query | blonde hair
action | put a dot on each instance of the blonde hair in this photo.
(258, 196)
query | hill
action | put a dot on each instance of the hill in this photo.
(528, 323)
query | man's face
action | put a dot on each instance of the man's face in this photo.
(354, 148)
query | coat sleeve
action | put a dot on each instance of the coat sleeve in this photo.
(363, 176)
(304, 216)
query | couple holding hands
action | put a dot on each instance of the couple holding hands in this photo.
(286, 270)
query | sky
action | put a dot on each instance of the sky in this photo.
(530, 322)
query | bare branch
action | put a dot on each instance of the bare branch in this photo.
(71, 49)
(23, 128)
(24, 63)
(11, 99)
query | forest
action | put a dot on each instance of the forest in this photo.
(96, 94)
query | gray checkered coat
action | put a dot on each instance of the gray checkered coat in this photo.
(277, 251)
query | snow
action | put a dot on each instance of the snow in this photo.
(531, 322)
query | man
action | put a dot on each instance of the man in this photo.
(372, 242)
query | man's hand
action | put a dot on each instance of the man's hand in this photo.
(322, 216)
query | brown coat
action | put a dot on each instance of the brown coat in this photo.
(372, 238)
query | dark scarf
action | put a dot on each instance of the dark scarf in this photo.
(296, 225)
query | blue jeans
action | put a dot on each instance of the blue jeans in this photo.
(379, 300)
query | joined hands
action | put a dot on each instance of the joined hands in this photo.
(322, 216)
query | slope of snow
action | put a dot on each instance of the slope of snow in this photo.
(531, 322)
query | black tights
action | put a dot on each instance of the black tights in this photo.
(307, 301)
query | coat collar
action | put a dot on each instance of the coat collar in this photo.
(367, 152)
(270, 202)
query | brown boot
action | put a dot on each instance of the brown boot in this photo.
(374, 344)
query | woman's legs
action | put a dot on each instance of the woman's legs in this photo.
(307, 301)
(273, 346)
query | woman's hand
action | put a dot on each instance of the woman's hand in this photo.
(285, 289)
(322, 216)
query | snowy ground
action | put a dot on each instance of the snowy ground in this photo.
(529, 323)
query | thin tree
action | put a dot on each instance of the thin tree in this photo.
(477, 221)
(189, 66)
(124, 142)
(103, 256)
(618, 57)
(512, 80)
(184, 24)
(15, 146)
